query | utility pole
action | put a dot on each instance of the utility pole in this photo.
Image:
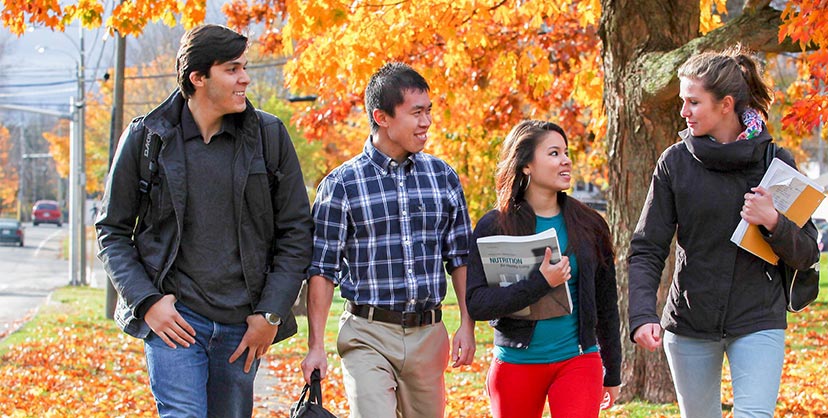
(21, 176)
(115, 132)
(77, 178)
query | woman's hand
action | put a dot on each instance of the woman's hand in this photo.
(555, 274)
(758, 209)
(610, 395)
(648, 336)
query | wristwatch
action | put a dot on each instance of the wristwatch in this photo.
(272, 318)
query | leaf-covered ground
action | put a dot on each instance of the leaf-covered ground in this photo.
(69, 361)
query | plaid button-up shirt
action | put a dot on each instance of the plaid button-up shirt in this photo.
(384, 230)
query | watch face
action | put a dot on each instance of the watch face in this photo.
(272, 318)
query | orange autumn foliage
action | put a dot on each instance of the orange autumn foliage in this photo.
(88, 368)
(9, 182)
(806, 23)
(489, 65)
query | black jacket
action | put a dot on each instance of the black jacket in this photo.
(598, 320)
(274, 231)
(718, 289)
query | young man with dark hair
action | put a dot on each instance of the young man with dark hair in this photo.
(389, 223)
(207, 254)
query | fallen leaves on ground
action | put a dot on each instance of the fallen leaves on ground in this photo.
(89, 369)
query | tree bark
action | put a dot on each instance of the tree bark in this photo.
(644, 43)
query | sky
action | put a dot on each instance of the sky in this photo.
(48, 79)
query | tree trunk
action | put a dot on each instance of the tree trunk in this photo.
(640, 126)
(644, 43)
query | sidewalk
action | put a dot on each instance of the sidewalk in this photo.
(265, 401)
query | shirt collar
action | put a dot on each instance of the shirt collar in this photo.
(189, 129)
(382, 161)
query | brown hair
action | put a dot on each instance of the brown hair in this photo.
(733, 72)
(201, 48)
(585, 227)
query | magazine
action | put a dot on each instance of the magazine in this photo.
(508, 259)
(794, 195)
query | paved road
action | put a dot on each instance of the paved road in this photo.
(29, 274)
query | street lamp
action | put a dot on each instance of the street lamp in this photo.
(77, 171)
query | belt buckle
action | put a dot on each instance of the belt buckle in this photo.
(411, 319)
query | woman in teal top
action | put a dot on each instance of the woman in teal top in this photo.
(573, 361)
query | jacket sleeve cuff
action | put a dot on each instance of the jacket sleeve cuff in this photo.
(145, 305)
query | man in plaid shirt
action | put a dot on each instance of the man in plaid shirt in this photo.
(389, 223)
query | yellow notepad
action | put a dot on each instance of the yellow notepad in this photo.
(794, 195)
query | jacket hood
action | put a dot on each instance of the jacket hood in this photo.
(737, 155)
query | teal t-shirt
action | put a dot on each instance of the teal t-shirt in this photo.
(554, 339)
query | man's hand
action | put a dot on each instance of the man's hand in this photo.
(462, 345)
(256, 340)
(320, 296)
(316, 359)
(168, 324)
(648, 336)
(555, 274)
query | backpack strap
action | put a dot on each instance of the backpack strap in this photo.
(273, 173)
(770, 154)
(148, 170)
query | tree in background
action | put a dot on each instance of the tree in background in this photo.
(605, 70)
(8, 174)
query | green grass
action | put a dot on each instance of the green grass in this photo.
(73, 304)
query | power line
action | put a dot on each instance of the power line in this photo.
(277, 63)
(46, 84)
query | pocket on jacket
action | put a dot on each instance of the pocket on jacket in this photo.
(257, 191)
(160, 204)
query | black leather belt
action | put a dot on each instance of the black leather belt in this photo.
(406, 319)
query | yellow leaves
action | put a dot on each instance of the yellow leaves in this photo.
(59, 148)
(88, 12)
(488, 63)
(708, 19)
(589, 12)
(40, 12)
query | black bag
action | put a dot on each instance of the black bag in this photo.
(312, 406)
(801, 286)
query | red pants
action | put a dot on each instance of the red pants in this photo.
(573, 388)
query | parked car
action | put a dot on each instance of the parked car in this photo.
(11, 231)
(47, 212)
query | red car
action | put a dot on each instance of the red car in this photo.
(47, 212)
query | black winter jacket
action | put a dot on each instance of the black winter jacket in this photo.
(719, 290)
(274, 230)
(598, 320)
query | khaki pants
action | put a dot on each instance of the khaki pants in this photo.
(390, 371)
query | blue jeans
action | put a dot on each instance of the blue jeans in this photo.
(199, 381)
(755, 368)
